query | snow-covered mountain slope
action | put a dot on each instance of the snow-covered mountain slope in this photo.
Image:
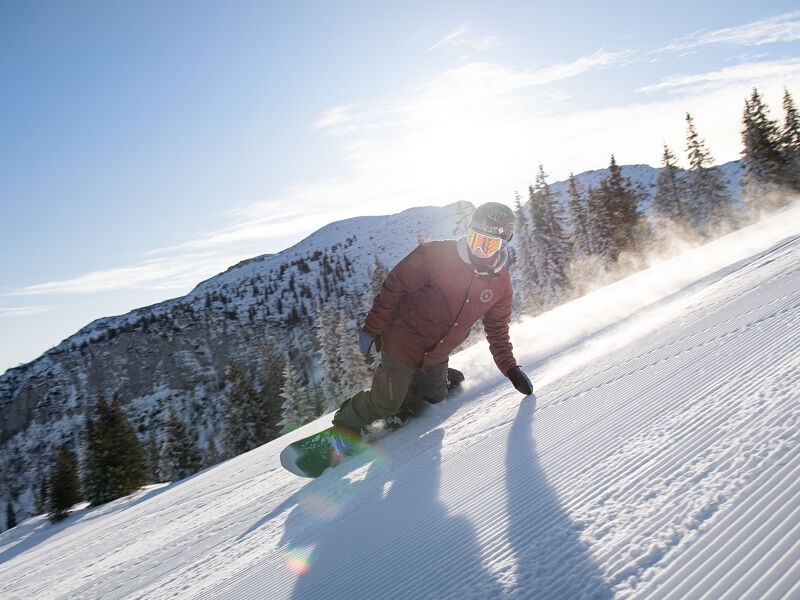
(175, 353)
(658, 458)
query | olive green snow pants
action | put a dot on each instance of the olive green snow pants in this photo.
(394, 384)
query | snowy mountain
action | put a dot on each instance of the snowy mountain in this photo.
(658, 458)
(175, 353)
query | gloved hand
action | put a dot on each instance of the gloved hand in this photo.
(365, 341)
(520, 380)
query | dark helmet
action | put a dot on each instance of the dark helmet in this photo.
(493, 219)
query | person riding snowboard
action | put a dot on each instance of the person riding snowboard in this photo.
(425, 309)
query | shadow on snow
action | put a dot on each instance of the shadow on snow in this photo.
(389, 535)
(551, 561)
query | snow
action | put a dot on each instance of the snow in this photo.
(658, 458)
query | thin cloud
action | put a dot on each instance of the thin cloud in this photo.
(452, 37)
(334, 117)
(467, 84)
(174, 273)
(783, 28)
(23, 311)
(260, 221)
(743, 72)
(459, 38)
(179, 268)
(601, 59)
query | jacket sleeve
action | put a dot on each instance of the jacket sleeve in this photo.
(495, 324)
(410, 274)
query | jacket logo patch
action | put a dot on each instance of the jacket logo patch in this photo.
(486, 295)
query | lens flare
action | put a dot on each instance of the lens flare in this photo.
(298, 560)
(380, 459)
(319, 507)
(358, 447)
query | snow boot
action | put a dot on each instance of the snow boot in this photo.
(417, 405)
(454, 379)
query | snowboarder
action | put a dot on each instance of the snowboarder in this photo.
(425, 309)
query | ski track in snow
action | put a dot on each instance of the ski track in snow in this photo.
(658, 458)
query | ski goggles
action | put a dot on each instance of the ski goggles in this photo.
(488, 245)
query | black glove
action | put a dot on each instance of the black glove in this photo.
(520, 380)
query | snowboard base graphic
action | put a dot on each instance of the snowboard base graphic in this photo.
(310, 456)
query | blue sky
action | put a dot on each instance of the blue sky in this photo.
(146, 146)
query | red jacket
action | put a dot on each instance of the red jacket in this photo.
(431, 299)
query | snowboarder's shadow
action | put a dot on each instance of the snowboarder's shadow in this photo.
(551, 560)
(309, 504)
(396, 538)
(386, 533)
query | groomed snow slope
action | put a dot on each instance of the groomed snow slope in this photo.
(659, 458)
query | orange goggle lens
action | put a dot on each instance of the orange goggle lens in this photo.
(489, 245)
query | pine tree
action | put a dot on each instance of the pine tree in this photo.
(669, 201)
(297, 409)
(134, 461)
(619, 224)
(239, 430)
(343, 368)
(790, 142)
(762, 159)
(598, 226)
(586, 242)
(549, 245)
(270, 379)
(464, 213)
(522, 234)
(178, 456)
(151, 454)
(11, 518)
(97, 453)
(709, 205)
(114, 463)
(523, 260)
(377, 276)
(65, 487)
(355, 370)
(251, 414)
(521, 227)
(40, 496)
(211, 455)
(330, 359)
(580, 216)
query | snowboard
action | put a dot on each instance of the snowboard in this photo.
(310, 456)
